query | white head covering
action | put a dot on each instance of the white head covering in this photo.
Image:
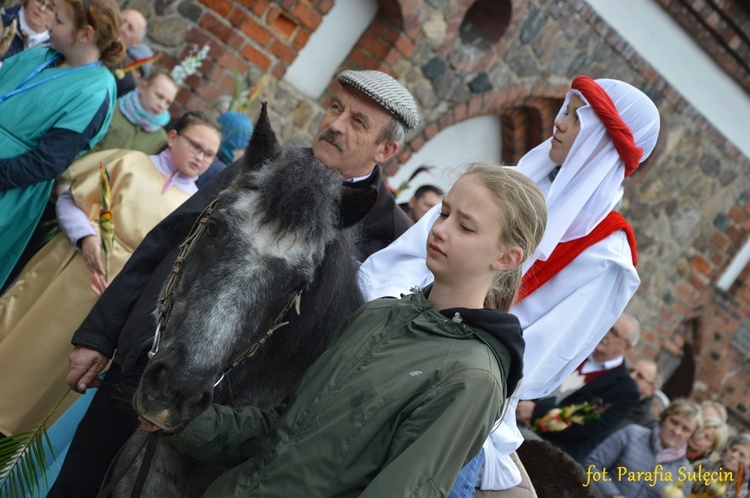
(589, 184)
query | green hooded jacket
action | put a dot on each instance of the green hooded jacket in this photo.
(401, 401)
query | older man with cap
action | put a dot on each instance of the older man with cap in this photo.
(582, 275)
(133, 33)
(364, 125)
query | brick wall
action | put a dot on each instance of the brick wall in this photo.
(723, 30)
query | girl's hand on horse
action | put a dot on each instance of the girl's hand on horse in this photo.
(91, 249)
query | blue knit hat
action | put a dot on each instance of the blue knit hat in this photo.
(236, 130)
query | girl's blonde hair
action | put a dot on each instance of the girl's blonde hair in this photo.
(524, 218)
(104, 17)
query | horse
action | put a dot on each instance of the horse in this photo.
(278, 238)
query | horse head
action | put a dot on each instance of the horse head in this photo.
(263, 241)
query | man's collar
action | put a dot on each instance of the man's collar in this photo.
(361, 178)
(595, 366)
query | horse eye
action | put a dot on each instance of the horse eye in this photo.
(212, 228)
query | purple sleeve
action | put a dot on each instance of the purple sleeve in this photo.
(73, 219)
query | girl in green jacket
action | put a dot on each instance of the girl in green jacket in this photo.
(410, 388)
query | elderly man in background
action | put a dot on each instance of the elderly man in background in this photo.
(647, 377)
(364, 125)
(133, 30)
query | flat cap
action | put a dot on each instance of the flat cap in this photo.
(387, 92)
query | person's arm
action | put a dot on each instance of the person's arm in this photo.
(440, 437)
(226, 436)
(72, 219)
(402, 265)
(54, 153)
(605, 457)
(81, 234)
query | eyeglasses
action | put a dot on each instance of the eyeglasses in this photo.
(49, 7)
(197, 150)
(615, 333)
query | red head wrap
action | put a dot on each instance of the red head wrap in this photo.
(621, 135)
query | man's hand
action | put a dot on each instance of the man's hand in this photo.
(524, 412)
(91, 249)
(85, 366)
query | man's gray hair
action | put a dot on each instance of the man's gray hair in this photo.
(636, 333)
(393, 132)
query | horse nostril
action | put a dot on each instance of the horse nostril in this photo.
(203, 400)
(157, 376)
(160, 376)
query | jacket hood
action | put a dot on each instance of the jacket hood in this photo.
(493, 325)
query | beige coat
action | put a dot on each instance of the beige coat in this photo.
(53, 295)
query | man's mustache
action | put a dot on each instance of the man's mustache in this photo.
(333, 138)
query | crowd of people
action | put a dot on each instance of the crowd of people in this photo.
(502, 300)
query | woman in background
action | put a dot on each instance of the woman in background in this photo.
(640, 449)
(32, 18)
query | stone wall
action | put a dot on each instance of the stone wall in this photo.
(689, 203)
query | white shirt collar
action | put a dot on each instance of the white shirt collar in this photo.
(360, 178)
(594, 366)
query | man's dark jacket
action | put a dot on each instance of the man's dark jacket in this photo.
(642, 414)
(618, 393)
(384, 223)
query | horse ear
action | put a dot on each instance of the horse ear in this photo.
(263, 144)
(355, 204)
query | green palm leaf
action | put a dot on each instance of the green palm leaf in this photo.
(23, 459)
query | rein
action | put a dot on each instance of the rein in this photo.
(165, 302)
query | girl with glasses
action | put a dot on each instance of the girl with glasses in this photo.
(53, 293)
(55, 103)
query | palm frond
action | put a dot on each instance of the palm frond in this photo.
(24, 461)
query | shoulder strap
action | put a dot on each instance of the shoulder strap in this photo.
(542, 271)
